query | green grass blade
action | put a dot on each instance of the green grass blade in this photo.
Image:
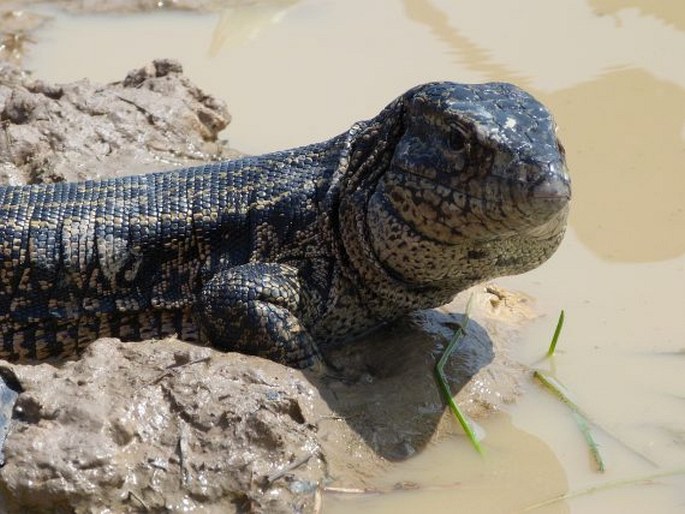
(556, 388)
(555, 337)
(444, 386)
(583, 419)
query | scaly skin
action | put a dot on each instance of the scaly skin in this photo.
(282, 254)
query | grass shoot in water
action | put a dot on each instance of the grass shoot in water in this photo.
(555, 337)
(557, 389)
(444, 386)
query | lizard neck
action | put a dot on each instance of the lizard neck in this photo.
(379, 282)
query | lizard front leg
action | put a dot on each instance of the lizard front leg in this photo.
(252, 308)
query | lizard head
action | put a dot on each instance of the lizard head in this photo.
(477, 186)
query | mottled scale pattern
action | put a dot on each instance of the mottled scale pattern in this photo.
(282, 255)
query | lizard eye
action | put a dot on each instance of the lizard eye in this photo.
(456, 139)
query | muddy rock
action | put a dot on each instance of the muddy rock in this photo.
(153, 119)
(162, 426)
(394, 404)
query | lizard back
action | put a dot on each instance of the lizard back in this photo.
(125, 257)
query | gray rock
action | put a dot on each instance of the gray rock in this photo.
(155, 118)
(160, 426)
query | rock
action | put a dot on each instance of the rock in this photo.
(160, 426)
(154, 119)
(396, 419)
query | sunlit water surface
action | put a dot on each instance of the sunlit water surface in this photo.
(613, 73)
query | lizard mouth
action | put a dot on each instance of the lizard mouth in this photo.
(524, 198)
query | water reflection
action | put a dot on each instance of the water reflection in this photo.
(627, 156)
(463, 49)
(243, 22)
(519, 471)
(672, 13)
(529, 37)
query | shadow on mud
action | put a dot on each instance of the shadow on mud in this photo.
(391, 398)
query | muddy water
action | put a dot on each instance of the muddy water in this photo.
(297, 71)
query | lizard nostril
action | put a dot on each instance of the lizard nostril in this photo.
(551, 193)
(555, 187)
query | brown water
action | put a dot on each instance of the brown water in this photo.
(614, 74)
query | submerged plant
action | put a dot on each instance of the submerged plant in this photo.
(559, 391)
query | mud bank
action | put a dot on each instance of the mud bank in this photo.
(154, 118)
